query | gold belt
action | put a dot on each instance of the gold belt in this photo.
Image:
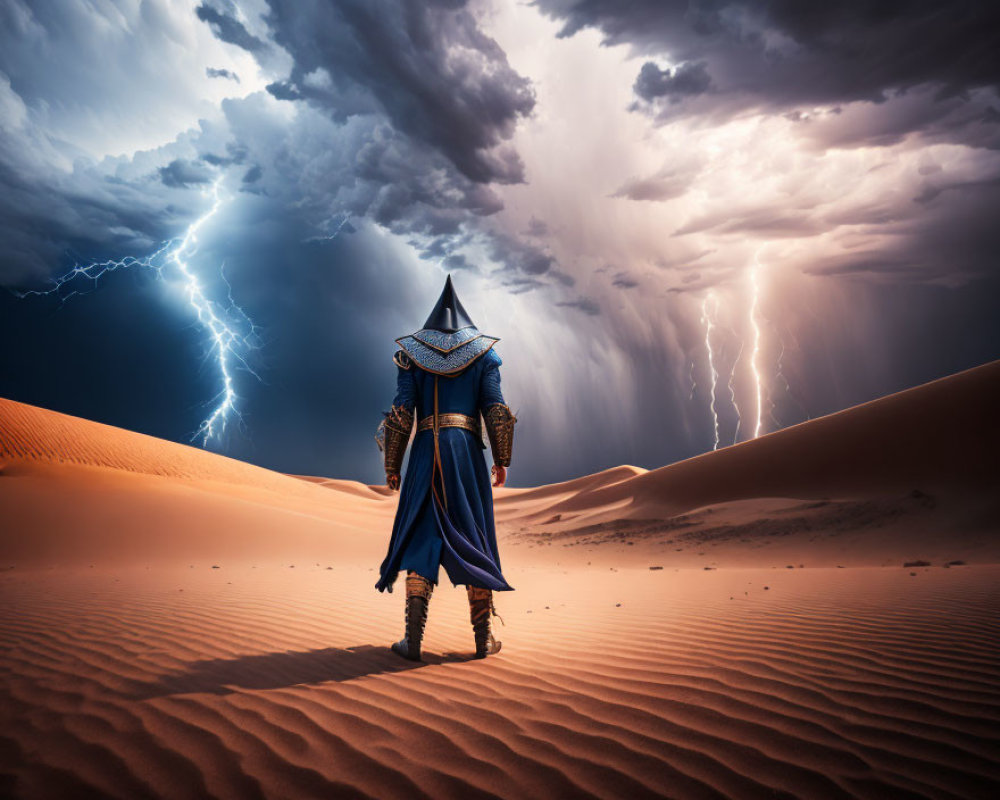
(450, 421)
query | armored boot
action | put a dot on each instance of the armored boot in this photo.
(418, 595)
(480, 609)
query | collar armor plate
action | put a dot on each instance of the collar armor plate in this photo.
(446, 353)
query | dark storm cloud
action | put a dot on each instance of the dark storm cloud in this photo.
(971, 119)
(949, 236)
(734, 54)
(519, 284)
(50, 221)
(435, 95)
(456, 261)
(564, 278)
(283, 90)
(687, 80)
(890, 75)
(427, 66)
(180, 173)
(520, 256)
(584, 304)
(253, 174)
(236, 154)
(213, 72)
(624, 281)
(230, 30)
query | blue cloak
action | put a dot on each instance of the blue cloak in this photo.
(425, 534)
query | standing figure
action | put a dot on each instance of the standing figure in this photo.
(447, 378)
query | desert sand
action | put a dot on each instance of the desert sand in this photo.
(812, 614)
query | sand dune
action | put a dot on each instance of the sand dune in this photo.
(178, 624)
(944, 434)
(35, 435)
(915, 472)
(75, 491)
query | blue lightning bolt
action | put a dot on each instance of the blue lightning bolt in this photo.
(97, 270)
(230, 332)
(345, 218)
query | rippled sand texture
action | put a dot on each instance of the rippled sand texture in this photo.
(274, 682)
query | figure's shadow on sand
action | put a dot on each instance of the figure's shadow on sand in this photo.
(280, 670)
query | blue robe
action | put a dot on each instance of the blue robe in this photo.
(425, 534)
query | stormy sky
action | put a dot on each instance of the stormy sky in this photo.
(793, 203)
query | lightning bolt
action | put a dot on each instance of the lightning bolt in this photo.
(755, 327)
(226, 342)
(707, 319)
(732, 393)
(345, 218)
(753, 348)
(95, 271)
(778, 376)
(230, 332)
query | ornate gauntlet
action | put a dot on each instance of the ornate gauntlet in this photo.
(398, 423)
(500, 427)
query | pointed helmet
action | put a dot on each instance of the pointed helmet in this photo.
(449, 341)
(449, 315)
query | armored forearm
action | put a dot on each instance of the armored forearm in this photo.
(500, 427)
(398, 424)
